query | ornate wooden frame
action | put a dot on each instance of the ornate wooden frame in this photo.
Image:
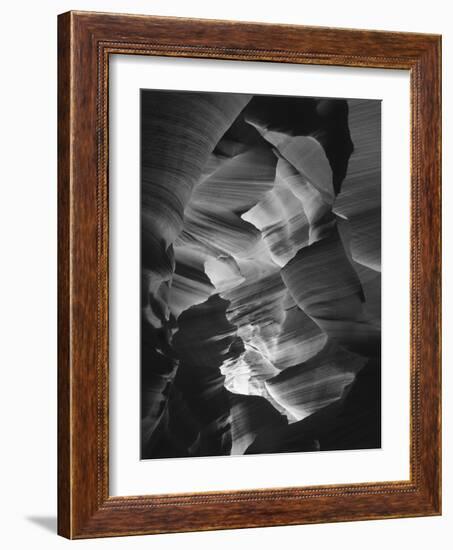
(85, 41)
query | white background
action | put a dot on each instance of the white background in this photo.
(129, 475)
(28, 275)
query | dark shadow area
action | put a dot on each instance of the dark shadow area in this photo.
(49, 523)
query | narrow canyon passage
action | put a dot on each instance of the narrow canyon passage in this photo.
(260, 271)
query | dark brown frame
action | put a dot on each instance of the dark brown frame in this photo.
(85, 42)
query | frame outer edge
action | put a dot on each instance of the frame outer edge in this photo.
(438, 176)
(80, 401)
(64, 499)
(431, 309)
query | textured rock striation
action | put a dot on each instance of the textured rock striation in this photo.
(260, 262)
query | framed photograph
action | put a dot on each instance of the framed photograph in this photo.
(249, 275)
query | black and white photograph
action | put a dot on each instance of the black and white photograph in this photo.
(260, 274)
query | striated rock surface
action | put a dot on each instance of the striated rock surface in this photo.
(260, 274)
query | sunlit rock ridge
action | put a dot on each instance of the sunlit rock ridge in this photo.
(260, 263)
